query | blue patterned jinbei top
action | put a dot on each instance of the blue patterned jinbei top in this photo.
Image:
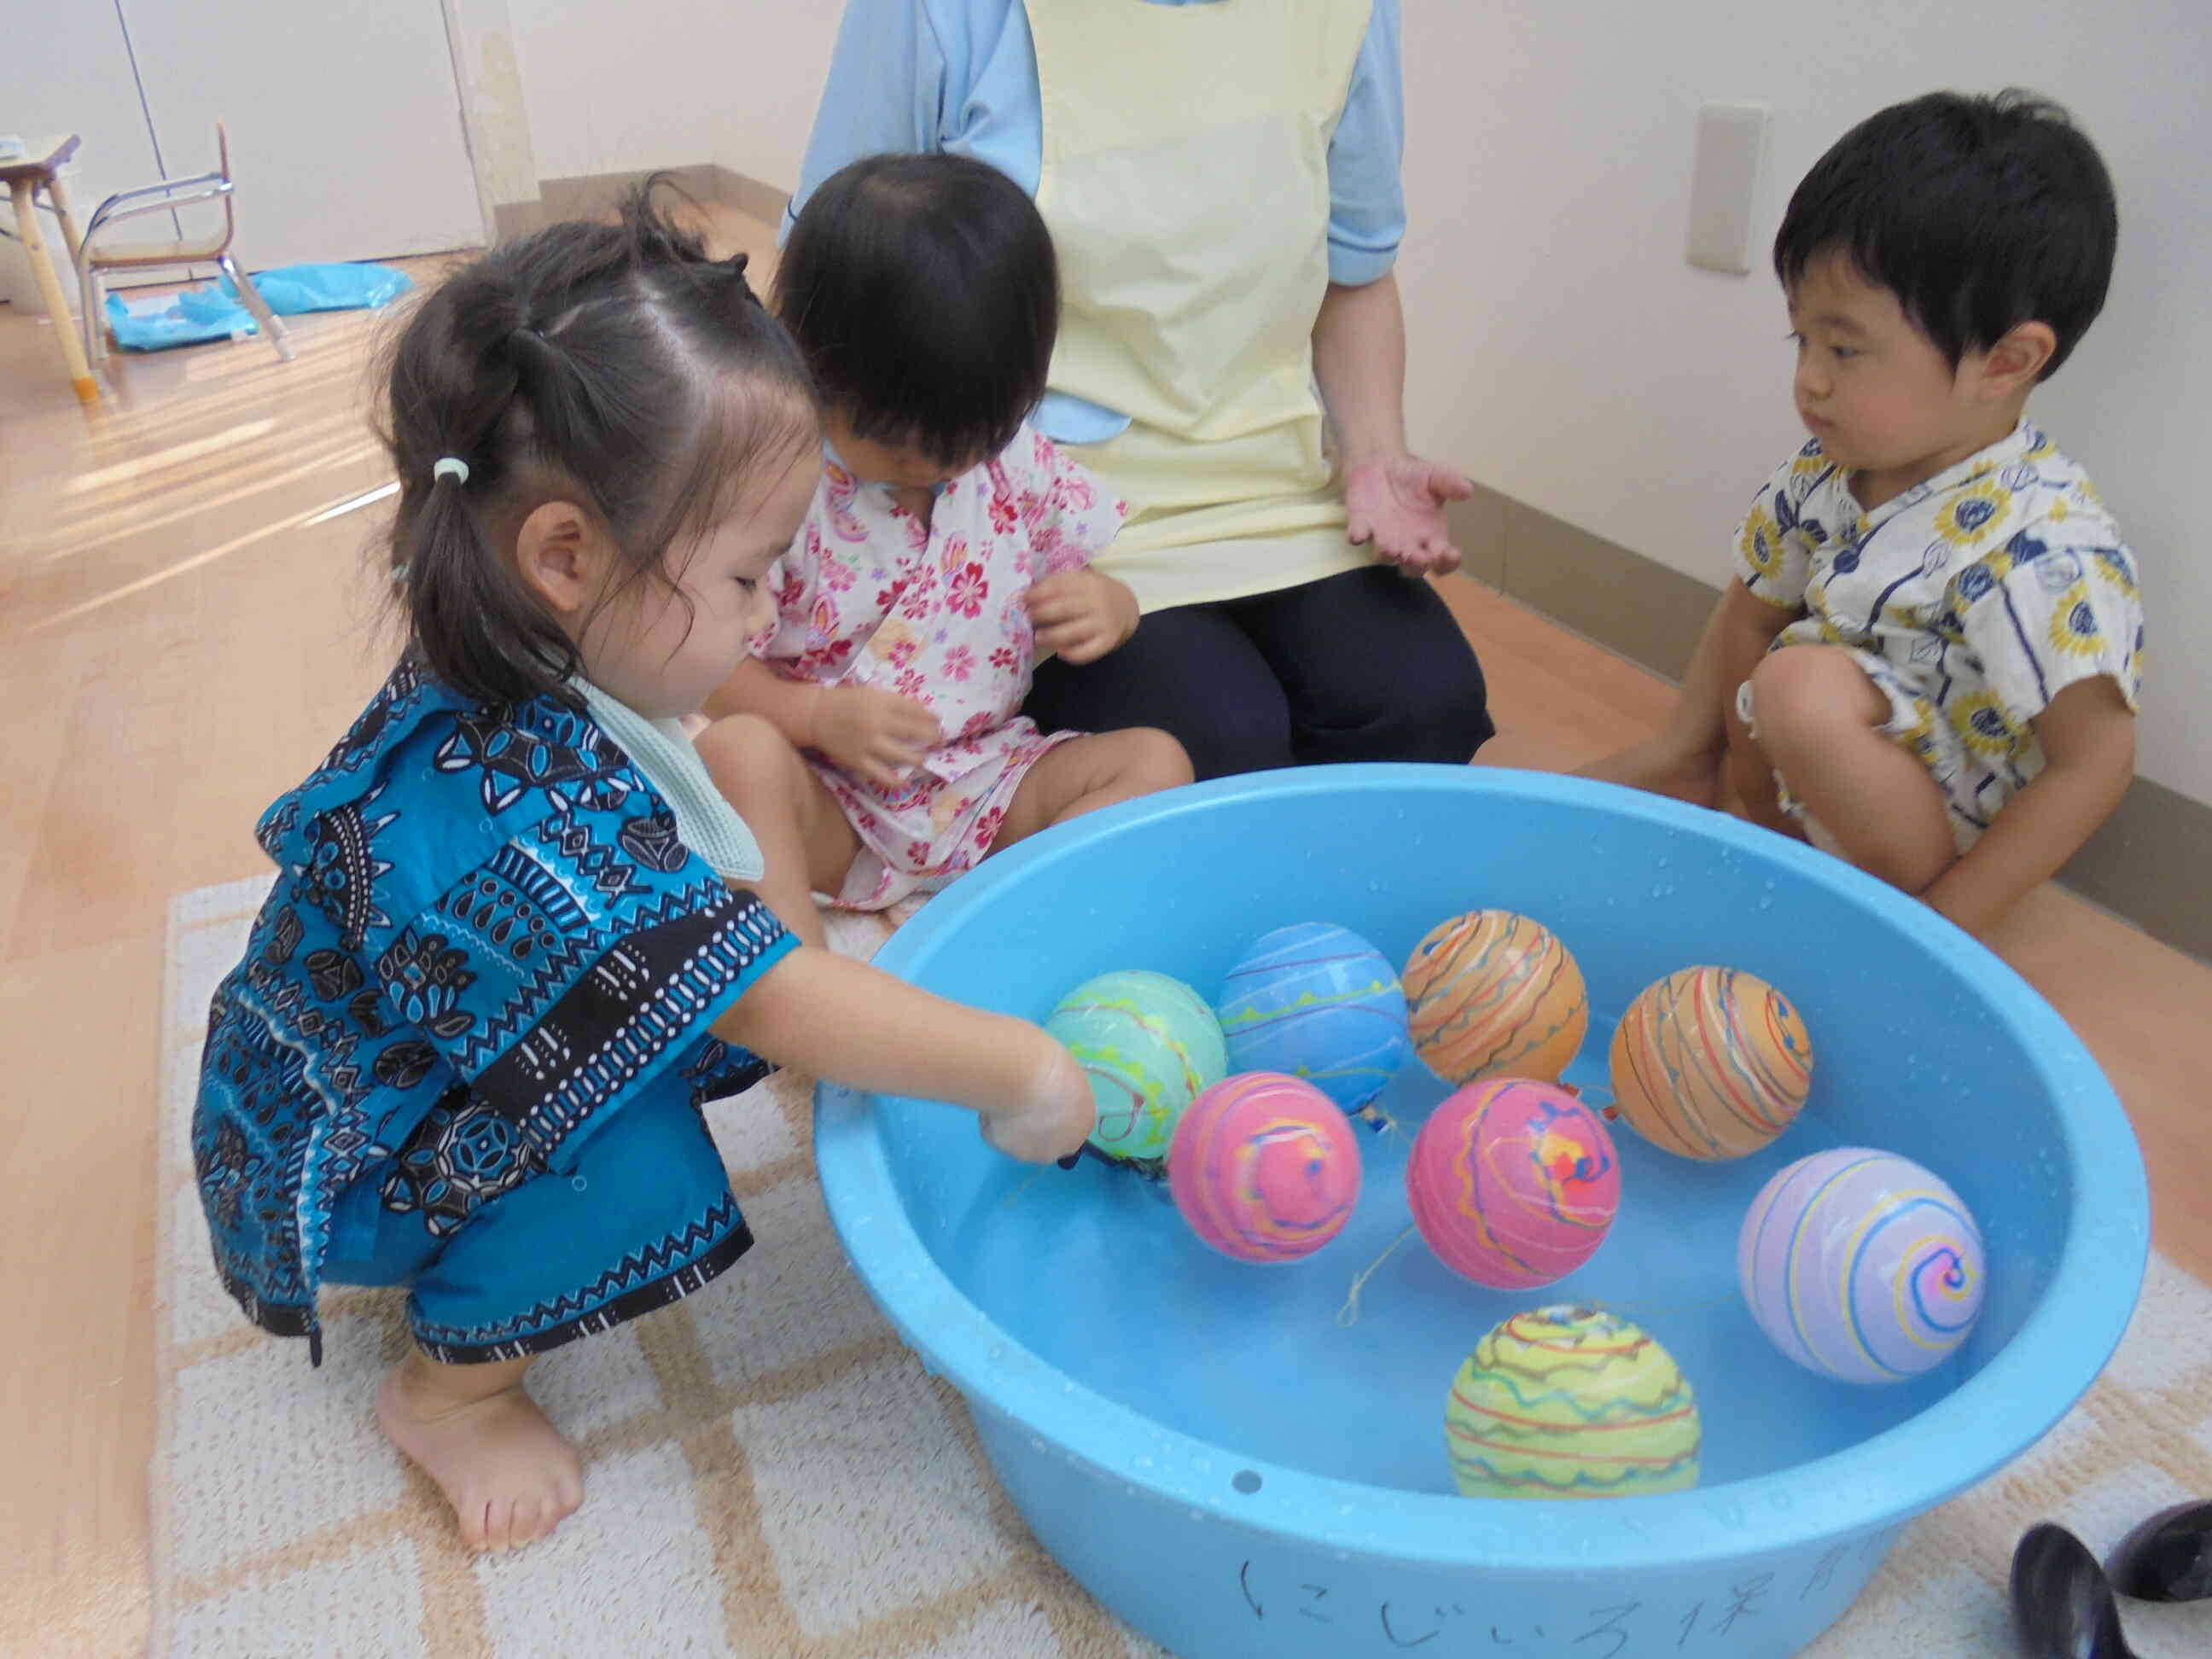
(484, 922)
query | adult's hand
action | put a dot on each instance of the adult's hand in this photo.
(1396, 503)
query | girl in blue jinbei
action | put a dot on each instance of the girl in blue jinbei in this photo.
(510, 950)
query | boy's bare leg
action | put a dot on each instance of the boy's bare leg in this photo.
(1819, 722)
(1690, 756)
(506, 1471)
(1751, 779)
(805, 841)
(1086, 772)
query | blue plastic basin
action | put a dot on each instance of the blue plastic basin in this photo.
(1235, 1473)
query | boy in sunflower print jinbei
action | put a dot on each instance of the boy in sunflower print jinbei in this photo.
(1928, 663)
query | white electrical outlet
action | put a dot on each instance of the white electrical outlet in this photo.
(1724, 186)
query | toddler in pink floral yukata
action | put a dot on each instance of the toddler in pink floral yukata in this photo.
(880, 750)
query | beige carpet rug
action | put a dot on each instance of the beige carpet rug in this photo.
(771, 1475)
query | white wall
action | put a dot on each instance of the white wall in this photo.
(764, 132)
(1565, 354)
(616, 87)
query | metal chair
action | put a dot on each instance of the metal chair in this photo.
(94, 257)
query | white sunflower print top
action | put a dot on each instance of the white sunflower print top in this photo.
(1972, 600)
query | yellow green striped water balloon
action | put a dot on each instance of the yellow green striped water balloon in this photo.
(1572, 1402)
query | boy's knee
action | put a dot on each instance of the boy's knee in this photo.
(1802, 688)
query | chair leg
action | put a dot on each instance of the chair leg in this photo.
(58, 193)
(50, 289)
(273, 326)
(93, 293)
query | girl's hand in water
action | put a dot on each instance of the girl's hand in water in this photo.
(878, 736)
(847, 1023)
(1053, 1118)
(1397, 503)
(1081, 614)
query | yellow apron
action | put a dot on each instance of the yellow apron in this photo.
(1186, 184)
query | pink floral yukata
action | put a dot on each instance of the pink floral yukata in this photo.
(867, 596)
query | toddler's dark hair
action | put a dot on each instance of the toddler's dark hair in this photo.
(1978, 213)
(926, 294)
(616, 367)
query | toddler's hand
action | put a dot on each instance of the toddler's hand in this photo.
(1397, 502)
(1055, 1117)
(878, 736)
(1081, 614)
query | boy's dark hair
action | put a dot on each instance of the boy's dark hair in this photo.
(1978, 213)
(613, 365)
(926, 294)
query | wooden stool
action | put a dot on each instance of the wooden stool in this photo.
(27, 176)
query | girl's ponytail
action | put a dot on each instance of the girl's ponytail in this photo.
(471, 622)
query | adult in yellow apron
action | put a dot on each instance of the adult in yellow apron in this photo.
(1184, 170)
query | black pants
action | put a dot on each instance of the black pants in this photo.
(1364, 666)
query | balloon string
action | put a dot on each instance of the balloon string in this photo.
(1008, 1202)
(1348, 1315)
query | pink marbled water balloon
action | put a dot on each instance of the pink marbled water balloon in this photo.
(1265, 1168)
(1514, 1183)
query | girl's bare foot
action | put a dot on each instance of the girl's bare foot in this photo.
(503, 1466)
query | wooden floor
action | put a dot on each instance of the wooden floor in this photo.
(185, 626)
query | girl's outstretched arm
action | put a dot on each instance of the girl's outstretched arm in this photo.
(851, 1024)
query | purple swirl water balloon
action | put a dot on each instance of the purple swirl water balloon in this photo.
(1862, 1266)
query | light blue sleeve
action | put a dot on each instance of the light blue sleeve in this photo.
(886, 90)
(1367, 194)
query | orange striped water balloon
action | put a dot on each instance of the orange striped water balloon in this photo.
(1710, 1063)
(1495, 994)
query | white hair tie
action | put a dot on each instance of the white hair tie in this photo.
(450, 466)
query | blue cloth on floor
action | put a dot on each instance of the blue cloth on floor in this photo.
(216, 313)
(291, 289)
(181, 319)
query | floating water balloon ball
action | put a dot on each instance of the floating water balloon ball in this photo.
(1862, 1266)
(1514, 1183)
(1265, 1168)
(1710, 1063)
(1318, 1002)
(1151, 1046)
(1495, 994)
(1572, 1402)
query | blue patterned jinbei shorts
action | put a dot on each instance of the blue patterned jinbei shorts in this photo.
(638, 1217)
